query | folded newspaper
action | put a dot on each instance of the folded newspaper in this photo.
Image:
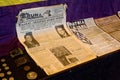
(90, 34)
(53, 47)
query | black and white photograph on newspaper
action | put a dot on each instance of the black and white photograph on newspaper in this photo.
(63, 55)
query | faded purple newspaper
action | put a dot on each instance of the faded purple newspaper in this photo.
(48, 41)
(90, 34)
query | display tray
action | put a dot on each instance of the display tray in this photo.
(19, 66)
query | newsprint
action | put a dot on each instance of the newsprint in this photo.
(111, 25)
(89, 33)
(44, 34)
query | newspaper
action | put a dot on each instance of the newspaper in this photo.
(48, 41)
(90, 34)
(111, 25)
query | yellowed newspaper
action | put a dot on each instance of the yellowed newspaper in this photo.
(48, 41)
(111, 25)
(90, 34)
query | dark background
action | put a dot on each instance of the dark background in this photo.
(103, 68)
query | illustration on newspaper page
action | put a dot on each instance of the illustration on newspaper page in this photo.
(89, 33)
(48, 41)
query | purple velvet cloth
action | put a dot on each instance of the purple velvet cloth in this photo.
(77, 9)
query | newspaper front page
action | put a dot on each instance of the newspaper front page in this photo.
(90, 34)
(48, 41)
(111, 25)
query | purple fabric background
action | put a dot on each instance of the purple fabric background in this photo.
(77, 9)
